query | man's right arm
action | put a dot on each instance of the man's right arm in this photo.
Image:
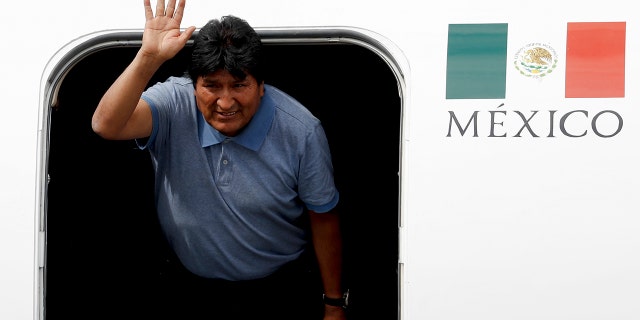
(121, 114)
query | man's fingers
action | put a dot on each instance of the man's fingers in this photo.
(171, 8)
(180, 10)
(186, 35)
(148, 13)
(160, 8)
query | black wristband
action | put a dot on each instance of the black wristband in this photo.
(337, 302)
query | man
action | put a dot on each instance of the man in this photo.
(243, 175)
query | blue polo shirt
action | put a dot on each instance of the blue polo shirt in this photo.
(231, 207)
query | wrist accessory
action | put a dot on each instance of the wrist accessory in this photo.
(337, 302)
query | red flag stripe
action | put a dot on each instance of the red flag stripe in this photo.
(595, 59)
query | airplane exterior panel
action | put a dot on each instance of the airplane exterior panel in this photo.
(519, 170)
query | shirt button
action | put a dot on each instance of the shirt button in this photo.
(225, 161)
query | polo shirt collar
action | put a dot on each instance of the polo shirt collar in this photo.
(251, 136)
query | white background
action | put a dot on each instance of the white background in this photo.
(493, 228)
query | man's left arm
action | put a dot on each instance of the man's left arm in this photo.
(327, 242)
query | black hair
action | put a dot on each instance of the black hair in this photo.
(229, 43)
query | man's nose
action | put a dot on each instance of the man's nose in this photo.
(225, 101)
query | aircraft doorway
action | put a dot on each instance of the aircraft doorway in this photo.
(103, 245)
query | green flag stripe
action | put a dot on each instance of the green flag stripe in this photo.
(477, 61)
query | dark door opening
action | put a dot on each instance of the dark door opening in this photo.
(103, 244)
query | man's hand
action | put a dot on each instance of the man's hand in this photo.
(162, 38)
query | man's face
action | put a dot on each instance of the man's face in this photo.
(227, 103)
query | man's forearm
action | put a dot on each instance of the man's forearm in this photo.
(119, 102)
(327, 242)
